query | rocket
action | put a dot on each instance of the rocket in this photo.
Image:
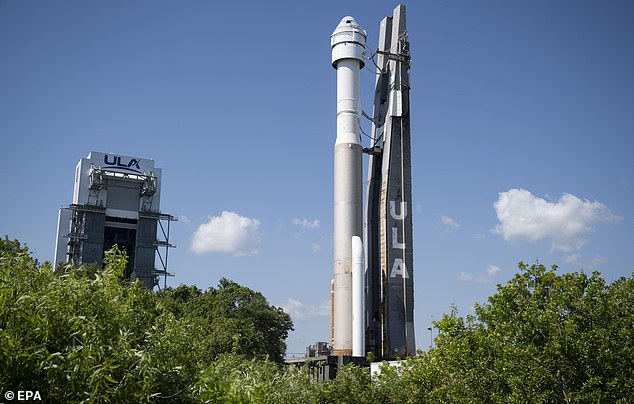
(348, 46)
(372, 305)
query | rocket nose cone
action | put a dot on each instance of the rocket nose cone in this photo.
(348, 23)
(348, 27)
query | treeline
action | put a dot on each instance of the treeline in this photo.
(83, 335)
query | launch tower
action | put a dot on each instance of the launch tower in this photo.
(116, 200)
(388, 216)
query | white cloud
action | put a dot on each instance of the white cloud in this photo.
(307, 224)
(598, 261)
(565, 223)
(571, 258)
(228, 233)
(301, 311)
(184, 219)
(449, 223)
(490, 272)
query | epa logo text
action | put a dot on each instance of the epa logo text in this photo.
(23, 395)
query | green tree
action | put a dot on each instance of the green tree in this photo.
(12, 247)
(235, 379)
(79, 334)
(543, 337)
(565, 337)
(85, 335)
(75, 337)
(234, 319)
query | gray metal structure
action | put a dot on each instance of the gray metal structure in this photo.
(388, 215)
(116, 200)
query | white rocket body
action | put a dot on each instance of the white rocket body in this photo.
(348, 46)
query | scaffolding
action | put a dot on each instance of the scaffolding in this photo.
(118, 209)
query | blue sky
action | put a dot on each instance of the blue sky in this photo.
(522, 136)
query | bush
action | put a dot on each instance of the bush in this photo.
(84, 335)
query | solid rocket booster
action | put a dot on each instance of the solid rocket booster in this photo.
(348, 45)
(358, 298)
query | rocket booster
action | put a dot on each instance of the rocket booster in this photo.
(348, 45)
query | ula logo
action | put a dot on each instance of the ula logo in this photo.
(121, 165)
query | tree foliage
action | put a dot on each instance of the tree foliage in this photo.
(85, 335)
(234, 319)
(12, 247)
(543, 337)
